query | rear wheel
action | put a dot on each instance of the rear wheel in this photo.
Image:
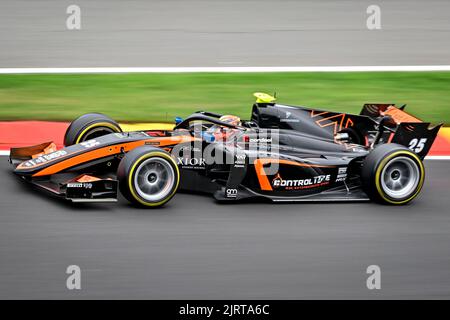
(392, 174)
(89, 126)
(148, 176)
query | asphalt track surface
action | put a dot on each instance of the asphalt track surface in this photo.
(209, 33)
(195, 248)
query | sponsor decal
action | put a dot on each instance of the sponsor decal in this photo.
(190, 149)
(29, 163)
(298, 184)
(152, 143)
(261, 140)
(356, 148)
(231, 193)
(85, 185)
(240, 160)
(191, 163)
(46, 157)
(342, 174)
(288, 118)
(119, 135)
(90, 143)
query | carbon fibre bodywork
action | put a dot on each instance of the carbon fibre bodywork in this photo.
(283, 153)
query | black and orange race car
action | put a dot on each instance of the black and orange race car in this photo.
(283, 153)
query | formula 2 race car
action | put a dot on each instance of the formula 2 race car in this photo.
(283, 153)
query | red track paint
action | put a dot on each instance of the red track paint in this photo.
(441, 146)
(28, 133)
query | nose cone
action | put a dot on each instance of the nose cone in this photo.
(39, 161)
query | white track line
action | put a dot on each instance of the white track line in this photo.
(223, 69)
(6, 153)
(437, 158)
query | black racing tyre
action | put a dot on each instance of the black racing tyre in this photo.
(148, 176)
(89, 126)
(392, 174)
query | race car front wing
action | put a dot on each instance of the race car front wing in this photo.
(83, 188)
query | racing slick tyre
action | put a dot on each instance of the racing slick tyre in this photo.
(392, 174)
(89, 126)
(148, 176)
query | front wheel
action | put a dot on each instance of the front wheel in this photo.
(148, 176)
(392, 174)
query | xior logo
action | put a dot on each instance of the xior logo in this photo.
(191, 161)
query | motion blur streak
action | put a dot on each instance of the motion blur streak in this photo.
(194, 248)
(182, 33)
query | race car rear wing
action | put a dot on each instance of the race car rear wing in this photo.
(417, 136)
(409, 130)
(383, 109)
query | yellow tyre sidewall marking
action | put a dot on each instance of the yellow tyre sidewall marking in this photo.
(146, 156)
(380, 169)
(98, 124)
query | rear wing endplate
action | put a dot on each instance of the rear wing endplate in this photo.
(410, 130)
(417, 136)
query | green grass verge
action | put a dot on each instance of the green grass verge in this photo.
(160, 97)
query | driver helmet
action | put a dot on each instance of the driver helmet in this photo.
(224, 134)
(234, 120)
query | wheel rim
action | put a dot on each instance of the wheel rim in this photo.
(400, 177)
(154, 179)
(96, 132)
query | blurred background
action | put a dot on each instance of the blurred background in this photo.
(217, 33)
(223, 33)
(195, 248)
